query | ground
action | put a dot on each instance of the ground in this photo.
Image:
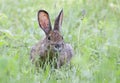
(92, 27)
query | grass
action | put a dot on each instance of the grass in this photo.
(92, 27)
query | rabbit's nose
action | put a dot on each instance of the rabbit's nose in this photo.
(57, 46)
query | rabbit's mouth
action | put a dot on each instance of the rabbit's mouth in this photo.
(56, 48)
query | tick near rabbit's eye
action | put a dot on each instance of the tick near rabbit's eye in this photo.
(48, 37)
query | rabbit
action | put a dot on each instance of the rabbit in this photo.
(53, 45)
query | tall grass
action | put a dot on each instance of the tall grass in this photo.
(92, 27)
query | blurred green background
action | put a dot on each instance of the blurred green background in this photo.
(92, 27)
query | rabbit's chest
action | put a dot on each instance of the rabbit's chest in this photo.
(49, 56)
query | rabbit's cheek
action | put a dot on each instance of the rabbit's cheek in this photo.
(50, 47)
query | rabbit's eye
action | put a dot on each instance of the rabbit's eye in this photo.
(48, 37)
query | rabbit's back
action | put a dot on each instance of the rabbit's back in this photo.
(38, 50)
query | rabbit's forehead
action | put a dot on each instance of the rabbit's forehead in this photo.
(55, 36)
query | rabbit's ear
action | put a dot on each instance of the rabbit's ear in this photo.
(58, 21)
(44, 21)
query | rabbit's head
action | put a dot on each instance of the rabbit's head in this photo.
(54, 40)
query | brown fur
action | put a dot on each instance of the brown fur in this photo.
(53, 45)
